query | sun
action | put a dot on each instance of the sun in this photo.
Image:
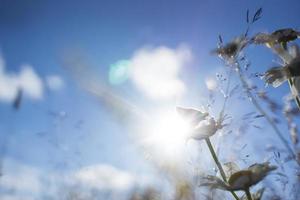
(168, 135)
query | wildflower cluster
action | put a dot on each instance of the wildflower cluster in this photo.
(205, 126)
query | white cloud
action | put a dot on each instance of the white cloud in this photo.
(21, 178)
(27, 80)
(54, 82)
(155, 71)
(15, 197)
(104, 177)
(29, 182)
(30, 82)
(8, 87)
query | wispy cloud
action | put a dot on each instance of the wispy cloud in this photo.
(104, 177)
(155, 71)
(54, 82)
(29, 182)
(30, 82)
(27, 80)
(24, 180)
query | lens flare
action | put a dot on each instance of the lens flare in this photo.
(119, 72)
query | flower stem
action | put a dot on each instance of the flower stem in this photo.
(248, 194)
(215, 157)
(290, 80)
(262, 112)
(296, 97)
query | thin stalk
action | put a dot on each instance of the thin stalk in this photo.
(248, 194)
(297, 100)
(290, 80)
(221, 115)
(215, 157)
(262, 112)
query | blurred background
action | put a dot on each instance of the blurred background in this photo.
(88, 91)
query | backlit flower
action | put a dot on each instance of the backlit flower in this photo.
(279, 36)
(240, 180)
(202, 125)
(193, 116)
(204, 129)
(278, 75)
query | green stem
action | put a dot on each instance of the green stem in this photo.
(248, 194)
(262, 112)
(215, 157)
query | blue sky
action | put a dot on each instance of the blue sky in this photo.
(66, 128)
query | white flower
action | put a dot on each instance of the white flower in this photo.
(279, 36)
(204, 129)
(203, 125)
(193, 116)
(285, 35)
(278, 75)
(241, 180)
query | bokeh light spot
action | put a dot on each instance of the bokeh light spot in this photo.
(119, 72)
